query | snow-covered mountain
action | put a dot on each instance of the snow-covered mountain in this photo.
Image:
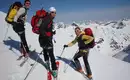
(110, 39)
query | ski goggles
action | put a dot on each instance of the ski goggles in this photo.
(53, 12)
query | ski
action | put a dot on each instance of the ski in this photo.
(82, 73)
(25, 59)
(23, 62)
(19, 58)
(33, 66)
(31, 69)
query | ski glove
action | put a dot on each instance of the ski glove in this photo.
(65, 46)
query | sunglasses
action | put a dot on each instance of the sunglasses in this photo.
(53, 12)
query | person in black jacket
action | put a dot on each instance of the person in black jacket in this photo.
(45, 38)
(18, 27)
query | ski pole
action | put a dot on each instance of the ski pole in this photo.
(65, 68)
(34, 64)
(31, 69)
(62, 51)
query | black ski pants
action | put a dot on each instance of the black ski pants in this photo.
(84, 54)
(47, 45)
(20, 30)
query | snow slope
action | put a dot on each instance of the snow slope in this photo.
(103, 67)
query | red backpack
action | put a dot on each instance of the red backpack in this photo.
(35, 19)
(88, 31)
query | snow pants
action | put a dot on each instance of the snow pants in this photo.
(84, 54)
(47, 45)
(20, 30)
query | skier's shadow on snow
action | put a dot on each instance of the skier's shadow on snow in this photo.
(67, 61)
(16, 45)
(13, 44)
(34, 56)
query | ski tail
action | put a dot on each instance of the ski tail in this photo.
(49, 76)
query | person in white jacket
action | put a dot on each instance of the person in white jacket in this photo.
(18, 27)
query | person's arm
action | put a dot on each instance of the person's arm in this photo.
(72, 42)
(87, 39)
(20, 12)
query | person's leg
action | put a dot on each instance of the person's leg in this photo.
(20, 30)
(23, 51)
(46, 57)
(87, 66)
(53, 61)
(49, 48)
(52, 58)
(23, 41)
(77, 62)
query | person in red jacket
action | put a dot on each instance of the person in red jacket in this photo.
(45, 38)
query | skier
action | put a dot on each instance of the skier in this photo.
(45, 38)
(18, 27)
(83, 41)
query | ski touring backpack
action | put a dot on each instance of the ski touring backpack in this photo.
(37, 19)
(13, 9)
(88, 31)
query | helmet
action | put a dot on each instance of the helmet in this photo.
(52, 9)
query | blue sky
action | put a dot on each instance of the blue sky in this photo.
(78, 10)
